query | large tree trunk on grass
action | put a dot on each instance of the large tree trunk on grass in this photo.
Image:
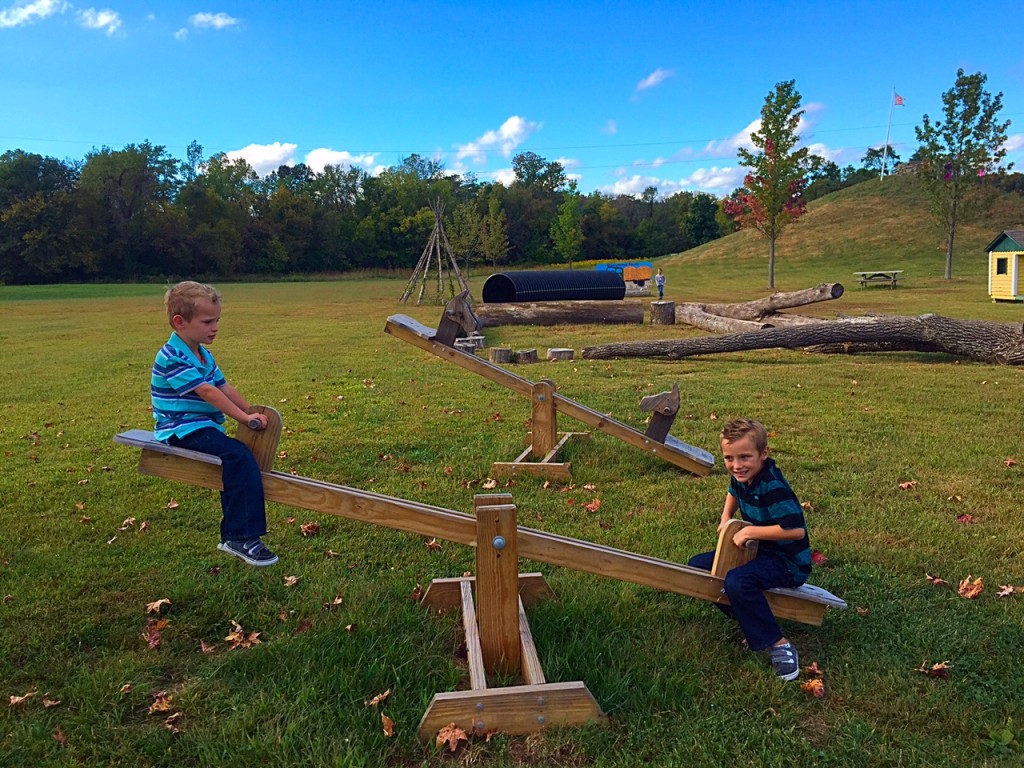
(756, 310)
(693, 314)
(974, 339)
(560, 313)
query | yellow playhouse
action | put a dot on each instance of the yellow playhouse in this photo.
(1004, 260)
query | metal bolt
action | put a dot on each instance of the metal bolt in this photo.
(479, 725)
(540, 398)
(480, 706)
(499, 542)
(540, 719)
(540, 701)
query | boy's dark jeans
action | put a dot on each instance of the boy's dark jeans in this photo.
(745, 586)
(245, 514)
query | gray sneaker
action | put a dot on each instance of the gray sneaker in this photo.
(254, 552)
(784, 661)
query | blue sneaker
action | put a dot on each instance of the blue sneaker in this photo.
(784, 661)
(254, 552)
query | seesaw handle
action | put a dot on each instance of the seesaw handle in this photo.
(255, 424)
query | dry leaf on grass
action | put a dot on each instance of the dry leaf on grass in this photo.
(59, 737)
(451, 735)
(815, 687)
(433, 545)
(310, 529)
(818, 558)
(238, 639)
(49, 703)
(156, 605)
(380, 697)
(17, 701)
(939, 669)
(417, 593)
(908, 485)
(593, 506)
(389, 725)
(971, 589)
(935, 580)
(161, 702)
(966, 519)
(291, 581)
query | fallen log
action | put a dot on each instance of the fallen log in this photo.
(694, 314)
(756, 310)
(788, 321)
(560, 313)
(974, 339)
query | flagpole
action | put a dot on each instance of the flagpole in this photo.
(888, 127)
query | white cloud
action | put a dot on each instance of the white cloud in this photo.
(26, 13)
(714, 180)
(821, 150)
(657, 77)
(181, 34)
(510, 135)
(320, 158)
(504, 177)
(1014, 143)
(265, 158)
(212, 20)
(567, 162)
(107, 20)
(727, 147)
(611, 128)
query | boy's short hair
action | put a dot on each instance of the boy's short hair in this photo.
(737, 429)
(181, 299)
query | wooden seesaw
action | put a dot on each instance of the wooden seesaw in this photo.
(498, 638)
(545, 440)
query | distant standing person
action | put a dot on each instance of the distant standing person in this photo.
(659, 280)
(191, 399)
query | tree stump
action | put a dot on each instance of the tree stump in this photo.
(500, 354)
(663, 313)
(560, 353)
(525, 356)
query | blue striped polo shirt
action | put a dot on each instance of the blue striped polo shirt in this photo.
(177, 373)
(768, 500)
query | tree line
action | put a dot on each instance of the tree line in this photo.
(139, 213)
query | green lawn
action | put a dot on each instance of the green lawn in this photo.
(365, 410)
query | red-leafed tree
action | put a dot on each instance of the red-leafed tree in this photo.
(772, 192)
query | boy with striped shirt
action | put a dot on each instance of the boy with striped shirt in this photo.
(191, 398)
(760, 493)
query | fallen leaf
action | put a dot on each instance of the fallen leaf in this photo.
(970, 589)
(128, 523)
(815, 687)
(19, 700)
(489, 484)
(156, 605)
(303, 626)
(59, 737)
(49, 703)
(908, 485)
(126, 688)
(814, 670)
(451, 735)
(389, 725)
(863, 611)
(713, 417)
(291, 581)
(310, 529)
(172, 504)
(238, 639)
(955, 497)
(330, 553)
(151, 633)
(417, 593)
(161, 702)
(1005, 590)
(966, 519)
(935, 580)
(433, 545)
(171, 722)
(144, 526)
(448, 470)
(939, 669)
(377, 699)
(593, 506)
(205, 648)
(807, 505)
(351, 627)
(589, 487)
(1010, 463)
(818, 558)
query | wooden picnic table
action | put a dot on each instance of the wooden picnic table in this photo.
(890, 276)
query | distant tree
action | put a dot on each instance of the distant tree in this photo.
(772, 194)
(959, 152)
(567, 229)
(532, 170)
(465, 232)
(699, 226)
(494, 241)
(873, 158)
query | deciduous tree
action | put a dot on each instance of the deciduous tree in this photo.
(567, 229)
(772, 194)
(958, 152)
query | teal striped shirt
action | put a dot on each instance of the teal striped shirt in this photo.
(177, 373)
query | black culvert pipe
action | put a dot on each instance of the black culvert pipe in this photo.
(554, 285)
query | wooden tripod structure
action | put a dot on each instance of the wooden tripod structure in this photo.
(498, 638)
(438, 255)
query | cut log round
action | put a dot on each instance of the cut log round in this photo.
(500, 354)
(663, 313)
(561, 313)
(974, 339)
(526, 356)
(561, 353)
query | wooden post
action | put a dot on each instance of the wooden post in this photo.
(663, 313)
(497, 585)
(545, 420)
(663, 407)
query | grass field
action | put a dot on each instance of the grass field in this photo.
(365, 410)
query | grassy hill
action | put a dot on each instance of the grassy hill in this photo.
(874, 225)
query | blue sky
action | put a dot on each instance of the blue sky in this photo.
(624, 94)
